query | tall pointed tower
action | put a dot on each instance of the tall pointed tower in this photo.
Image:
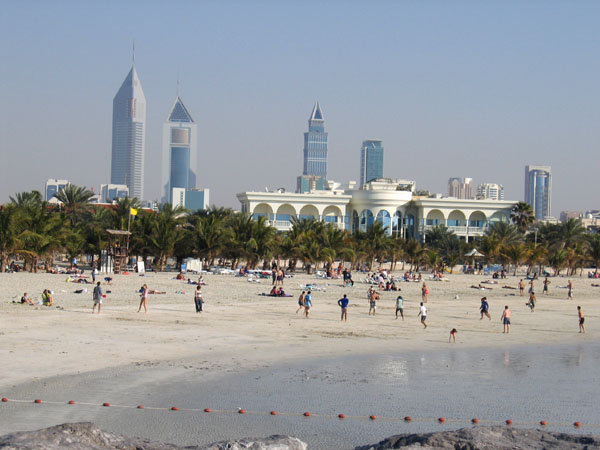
(315, 145)
(129, 136)
(179, 151)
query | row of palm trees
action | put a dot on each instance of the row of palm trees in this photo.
(37, 232)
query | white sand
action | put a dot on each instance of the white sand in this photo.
(242, 330)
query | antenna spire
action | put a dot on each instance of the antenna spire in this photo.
(178, 83)
(133, 54)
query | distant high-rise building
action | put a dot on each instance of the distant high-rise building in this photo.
(111, 192)
(371, 160)
(53, 187)
(490, 191)
(128, 136)
(179, 151)
(315, 145)
(191, 199)
(461, 188)
(538, 190)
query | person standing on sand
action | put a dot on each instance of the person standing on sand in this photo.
(424, 293)
(423, 314)
(521, 287)
(373, 302)
(531, 288)
(307, 303)
(453, 332)
(301, 302)
(198, 299)
(484, 309)
(570, 287)
(532, 301)
(400, 307)
(505, 319)
(581, 319)
(143, 298)
(546, 284)
(97, 297)
(343, 302)
(274, 274)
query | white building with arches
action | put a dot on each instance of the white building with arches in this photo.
(390, 202)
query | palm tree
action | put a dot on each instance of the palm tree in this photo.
(76, 201)
(209, 234)
(516, 254)
(8, 233)
(374, 243)
(557, 260)
(522, 216)
(506, 233)
(593, 249)
(414, 252)
(570, 233)
(122, 212)
(166, 232)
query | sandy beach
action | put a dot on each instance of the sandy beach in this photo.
(241, 332)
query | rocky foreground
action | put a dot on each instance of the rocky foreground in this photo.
(85, 435)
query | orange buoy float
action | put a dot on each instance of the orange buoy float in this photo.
(577, 424)
(441, 420)
(37, 400)
(273, 413)
(106, 404)
(341, 416)
(306, 414)
(474, 420)
(508, 422)
(174, 408)
(207, 410)
(140, 407)
(543, 423)
(407, 419)
(241, 411)
(71, 402)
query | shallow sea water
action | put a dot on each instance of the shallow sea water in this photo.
(529, 384)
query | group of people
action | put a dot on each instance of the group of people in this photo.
(305, 303)
(277, 274)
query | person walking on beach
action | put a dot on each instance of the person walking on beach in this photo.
(484, 309)
(198, 299)
(532, 300)
(546, 284)
(505, 319)
(424, 293)
(570, 288)
(274, 274)
(521, 287)
(423, 314)
(400, 307)
(143, 298)
(343, 302)
(307, 303)
(453, 332)
(581, 320)
(373, 302)
(97, 297)
(531, 285)
(301, 301)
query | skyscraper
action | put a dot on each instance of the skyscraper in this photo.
(490, 191)
(538, 190)
(179, 150)
(371, 160)
(315, 145)
(129, 135)
(461, 188)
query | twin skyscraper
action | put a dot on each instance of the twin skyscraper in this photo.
(179, 161)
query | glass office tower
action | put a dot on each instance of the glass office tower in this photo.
(179, 151)
(371, 160)
(538, 190)
(128, 136)
(315, 145)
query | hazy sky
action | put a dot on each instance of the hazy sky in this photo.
(453, 88)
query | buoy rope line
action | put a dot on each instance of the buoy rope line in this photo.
(341, 416)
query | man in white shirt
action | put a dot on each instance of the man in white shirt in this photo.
(423, 314)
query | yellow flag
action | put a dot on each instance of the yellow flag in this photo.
(132, 212)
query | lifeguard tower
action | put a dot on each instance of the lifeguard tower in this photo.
(116, 251)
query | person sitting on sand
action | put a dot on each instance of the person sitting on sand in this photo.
(273, 292)
(47, 299)
(26, 299)
(108, 280)
(453, 332)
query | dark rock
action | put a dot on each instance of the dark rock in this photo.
(488, 438)
(86, 436)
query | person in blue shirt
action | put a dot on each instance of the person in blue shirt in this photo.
(307, 303)
(343, 302)
(485, 309)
